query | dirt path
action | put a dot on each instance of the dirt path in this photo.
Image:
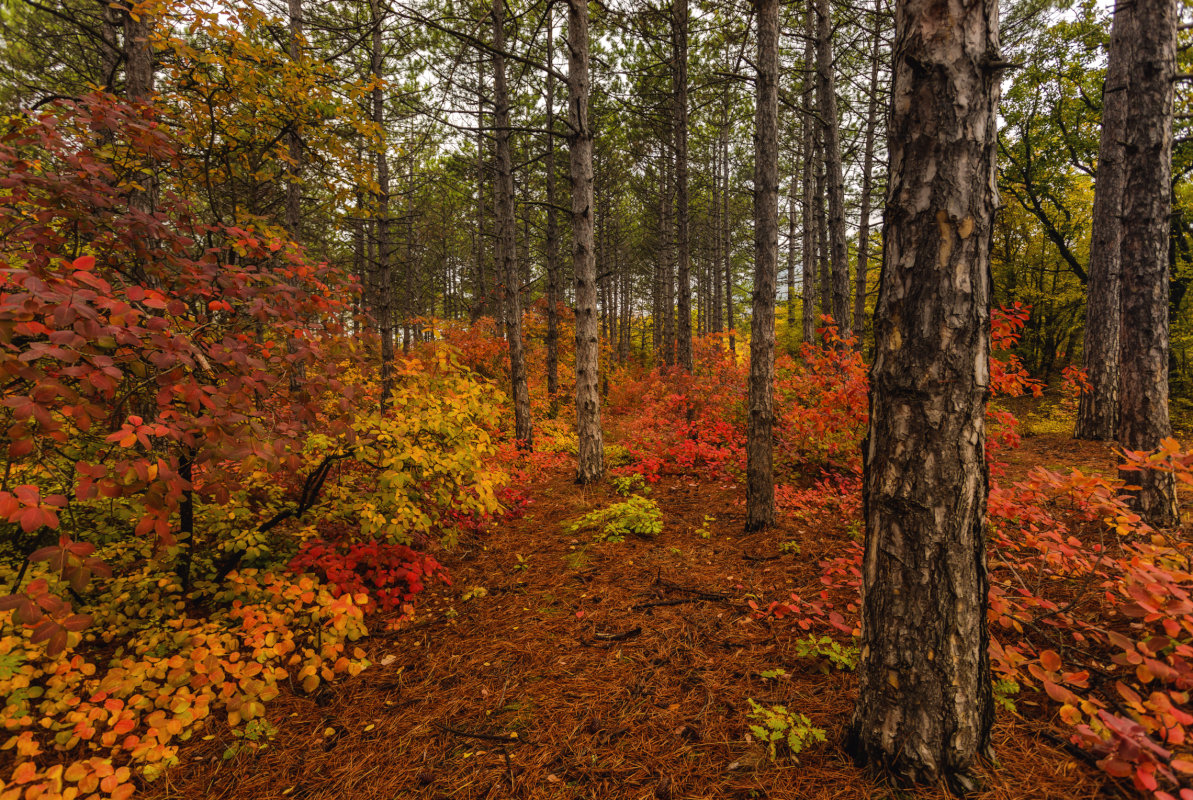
(597, 671)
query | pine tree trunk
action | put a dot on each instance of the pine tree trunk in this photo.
(294, 140)
(863, 231)
(792, 191)
(809, 159)
(384, 280)
(824, 257)
(552, 231)
(925, 703)
(760, 479)
(1146, 209)
(666, 257)
(480, 291)
(591, 454)
(726, 241)
(826, 90)
(717, 316)
(683, 311)
(138, 56)
(1097, 409)
(506, 228)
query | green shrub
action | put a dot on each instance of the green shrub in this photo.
(637, 516)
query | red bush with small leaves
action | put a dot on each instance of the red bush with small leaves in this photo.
(390, 574)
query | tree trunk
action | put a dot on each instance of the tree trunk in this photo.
(138, 56)
(863, 231)
(726, 241)
(384, 269)
(1097, 409)
(826, 90)
(792, 191)
(591, 453)
(717, 316)
(683, 311)
(809, 217)
(925, 703)
(1146, 208)
(760, 478)
(552, 231)
(506, 225)
(824, 257)
(480, 288)
(668, 251)
(294, 140)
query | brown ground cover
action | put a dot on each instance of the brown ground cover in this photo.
(602, 670)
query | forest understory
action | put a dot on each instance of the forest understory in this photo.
(554, 666)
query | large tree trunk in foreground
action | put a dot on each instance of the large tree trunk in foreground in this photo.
(760, 478)
(1146, 208)
(925, 703)
(506, 258)
(826, 91)
(1097, 410)
(591, 456)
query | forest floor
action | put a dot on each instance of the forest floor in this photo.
(603, 670)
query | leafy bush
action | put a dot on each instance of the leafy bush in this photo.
(783, 732)
(844, 657)
(636, 516)
(390, 575)
(626, 485)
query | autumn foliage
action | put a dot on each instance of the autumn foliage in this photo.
(202, 501)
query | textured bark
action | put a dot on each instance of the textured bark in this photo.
(726, 242)
(792, 191)
(925, 703)
(591, 456)
(679, 66)
(809, 157)
(668, 266)
(552, 244)
(110, 53)
(1097, 410)
(1146, 208)
(717, 315)
(506, 227)
(293, 138)
(824, 261)
(863, 231)
(138, 56)
(760, 478)
(826, 92)
(480, 289)
(384, 270)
